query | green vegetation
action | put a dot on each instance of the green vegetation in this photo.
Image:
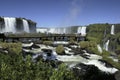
(72, 40)
(13, 67)
(47, 42)
(15, 48)
(89, 45)
(109, 60)
(60, 49)
(97, 32)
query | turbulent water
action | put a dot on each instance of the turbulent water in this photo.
(10, 24)
(101, 66)
(112, 30)
(71, 60)
(26, 26)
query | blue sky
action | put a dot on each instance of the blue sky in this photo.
(59, 13)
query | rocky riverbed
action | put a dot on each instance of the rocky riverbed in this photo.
(79, 60)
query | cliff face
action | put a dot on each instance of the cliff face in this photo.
(2, 24)
(101, 33)
(16, 25)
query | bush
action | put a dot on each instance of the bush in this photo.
(93, 39)
(87, 44)
(14, 48)
(60, 49)
(15, 68)
(62, 73)
(47, 42)
(72, 41)
(105, 53)
(84, 44)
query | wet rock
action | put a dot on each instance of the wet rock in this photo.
(117, 75)
(35, 46)
(91, 72)
(106, 63)
(3, 50)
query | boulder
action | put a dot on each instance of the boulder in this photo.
(117, 75)
(91, 72)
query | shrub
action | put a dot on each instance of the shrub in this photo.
(105, 53)
(84, 44)
(60, 49)
(14, 48)
(47, 42)
(72, 41)
(62, 73)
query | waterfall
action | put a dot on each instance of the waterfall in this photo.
(64, 30)
(10, 24)
(112, 30)
(26, 26)
(57, 30)
(79, 30)
(82, 30)
(99, 48)
(106, 46)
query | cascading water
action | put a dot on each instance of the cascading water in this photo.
(79, 30)
(26, 26)
(82, 30)
(10, 24)
(57, 30)
(112, 30)
(106, 46)
(99, 48)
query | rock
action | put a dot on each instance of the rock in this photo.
(3, 50)
(117, 75)
(91, 72)
(117, 52)
(106, 63)
(35, 46)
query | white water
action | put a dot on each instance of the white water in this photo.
(60, 42)
(101, 66)
(79, 30)
(94, 57)
(99, 48)
(26, 26)
(106, 46)
(57, 30)
(82, 30)
(10, 24)
(27, 45)
(72, 60)
(112, 30)
(41, 30)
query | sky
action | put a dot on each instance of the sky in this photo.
(61, 13)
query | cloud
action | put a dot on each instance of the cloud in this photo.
(73, 13)
(75, 9)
